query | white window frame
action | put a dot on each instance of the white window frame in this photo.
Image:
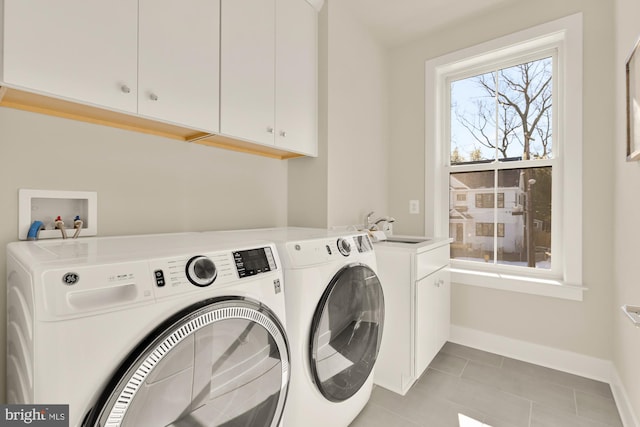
(563, 38)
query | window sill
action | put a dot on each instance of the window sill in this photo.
(523, 284)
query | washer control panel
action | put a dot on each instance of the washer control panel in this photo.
(344, 246)
(201, 271)
(363, 243)
(180, 274)
(254, 261)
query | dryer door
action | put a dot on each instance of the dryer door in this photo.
(346, 332)
(222, 362)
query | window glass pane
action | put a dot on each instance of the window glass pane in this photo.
(525, 112)
(473, 111)
(506, 114)
(522, 221)
(471, 218)
(522, 231)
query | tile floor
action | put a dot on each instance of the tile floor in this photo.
(465, 387)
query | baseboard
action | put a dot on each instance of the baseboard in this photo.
(621, 397)
(563, 360)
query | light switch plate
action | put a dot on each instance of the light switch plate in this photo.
(414, 206)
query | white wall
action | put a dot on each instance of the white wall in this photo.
(358, 131)
(626, 342)
(352, 168)
(581, 327)
(308, 185)
(145, 184)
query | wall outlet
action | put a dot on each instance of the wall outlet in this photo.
(414, 206)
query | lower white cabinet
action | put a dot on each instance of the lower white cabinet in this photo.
(416, 285)
(433, 308)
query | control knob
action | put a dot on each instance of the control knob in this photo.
(344, 246)
(201, 271)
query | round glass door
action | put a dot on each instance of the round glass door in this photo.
(221, 363)
(346, 332)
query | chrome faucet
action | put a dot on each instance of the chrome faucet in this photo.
(367, 221)
(385, 220)
(375, 225)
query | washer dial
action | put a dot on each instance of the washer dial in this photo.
(344, 246)
(201, 271)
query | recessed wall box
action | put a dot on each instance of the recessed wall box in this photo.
(46, 205)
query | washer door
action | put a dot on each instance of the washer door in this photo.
(346, 332)
(221, 362)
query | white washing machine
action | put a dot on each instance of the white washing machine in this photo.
(335, 318)
(165, 330)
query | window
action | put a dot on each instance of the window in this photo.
(485, 229)
(485, 200)
(505, 123)
(501, 137)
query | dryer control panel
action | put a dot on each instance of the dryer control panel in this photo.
(310, 252)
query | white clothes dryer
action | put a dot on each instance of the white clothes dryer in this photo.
(164, 330)
(335, 318)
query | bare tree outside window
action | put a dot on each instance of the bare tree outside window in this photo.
(506, 116)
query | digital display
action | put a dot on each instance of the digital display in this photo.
(254, 261)
(363, 243)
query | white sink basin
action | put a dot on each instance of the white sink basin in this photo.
(405, 239)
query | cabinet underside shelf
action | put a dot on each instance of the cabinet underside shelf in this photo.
(35, 103)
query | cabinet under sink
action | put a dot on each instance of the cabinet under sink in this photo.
(414, 273)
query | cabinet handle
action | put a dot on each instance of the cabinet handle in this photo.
(439, 283)
(153, 97)
(125, 89)
(283, 134)
(270, 130)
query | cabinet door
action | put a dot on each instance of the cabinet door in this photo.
(432, 317)
(76, 49)
(296, 76)
(443, 312)
(247, 70)
(179, 61)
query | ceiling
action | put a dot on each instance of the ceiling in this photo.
(394, 22)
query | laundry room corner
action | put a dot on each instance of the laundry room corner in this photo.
(349, 177)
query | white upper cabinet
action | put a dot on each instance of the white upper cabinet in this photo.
(155, 58)
(269, 73)
(247, 76)
(238, 74)
(76, 49)
(179, 62)
(296, 76)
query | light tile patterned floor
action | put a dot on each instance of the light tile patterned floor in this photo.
(465, 387)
